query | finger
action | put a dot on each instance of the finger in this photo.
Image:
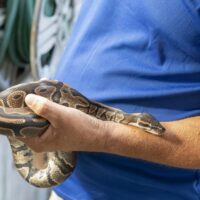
(43, 107)
(41, 143)
(34, 143)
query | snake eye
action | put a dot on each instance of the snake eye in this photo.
(143, 124)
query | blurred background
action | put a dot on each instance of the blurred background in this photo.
(33, 34)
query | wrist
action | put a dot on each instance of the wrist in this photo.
(103, 132)
(107, 129)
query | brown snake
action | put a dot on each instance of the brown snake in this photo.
(17, 120)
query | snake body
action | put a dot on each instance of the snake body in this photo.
(17, 120)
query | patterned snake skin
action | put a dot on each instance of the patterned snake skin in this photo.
(17, 120)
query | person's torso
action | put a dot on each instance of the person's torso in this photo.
(139, 56)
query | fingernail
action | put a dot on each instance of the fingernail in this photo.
(32, 99)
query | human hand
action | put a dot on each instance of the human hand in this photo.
(69, 130)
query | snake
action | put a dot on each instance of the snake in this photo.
(17, 121)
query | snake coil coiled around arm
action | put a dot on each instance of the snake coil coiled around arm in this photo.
(17, 120)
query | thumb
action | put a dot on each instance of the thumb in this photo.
(41, 106)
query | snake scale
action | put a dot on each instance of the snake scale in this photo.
(17, 120)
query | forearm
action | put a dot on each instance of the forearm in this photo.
(179, 146)
(73, 130)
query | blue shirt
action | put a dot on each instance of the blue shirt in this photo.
(139, 56)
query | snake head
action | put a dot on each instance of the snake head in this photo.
(150, 124)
